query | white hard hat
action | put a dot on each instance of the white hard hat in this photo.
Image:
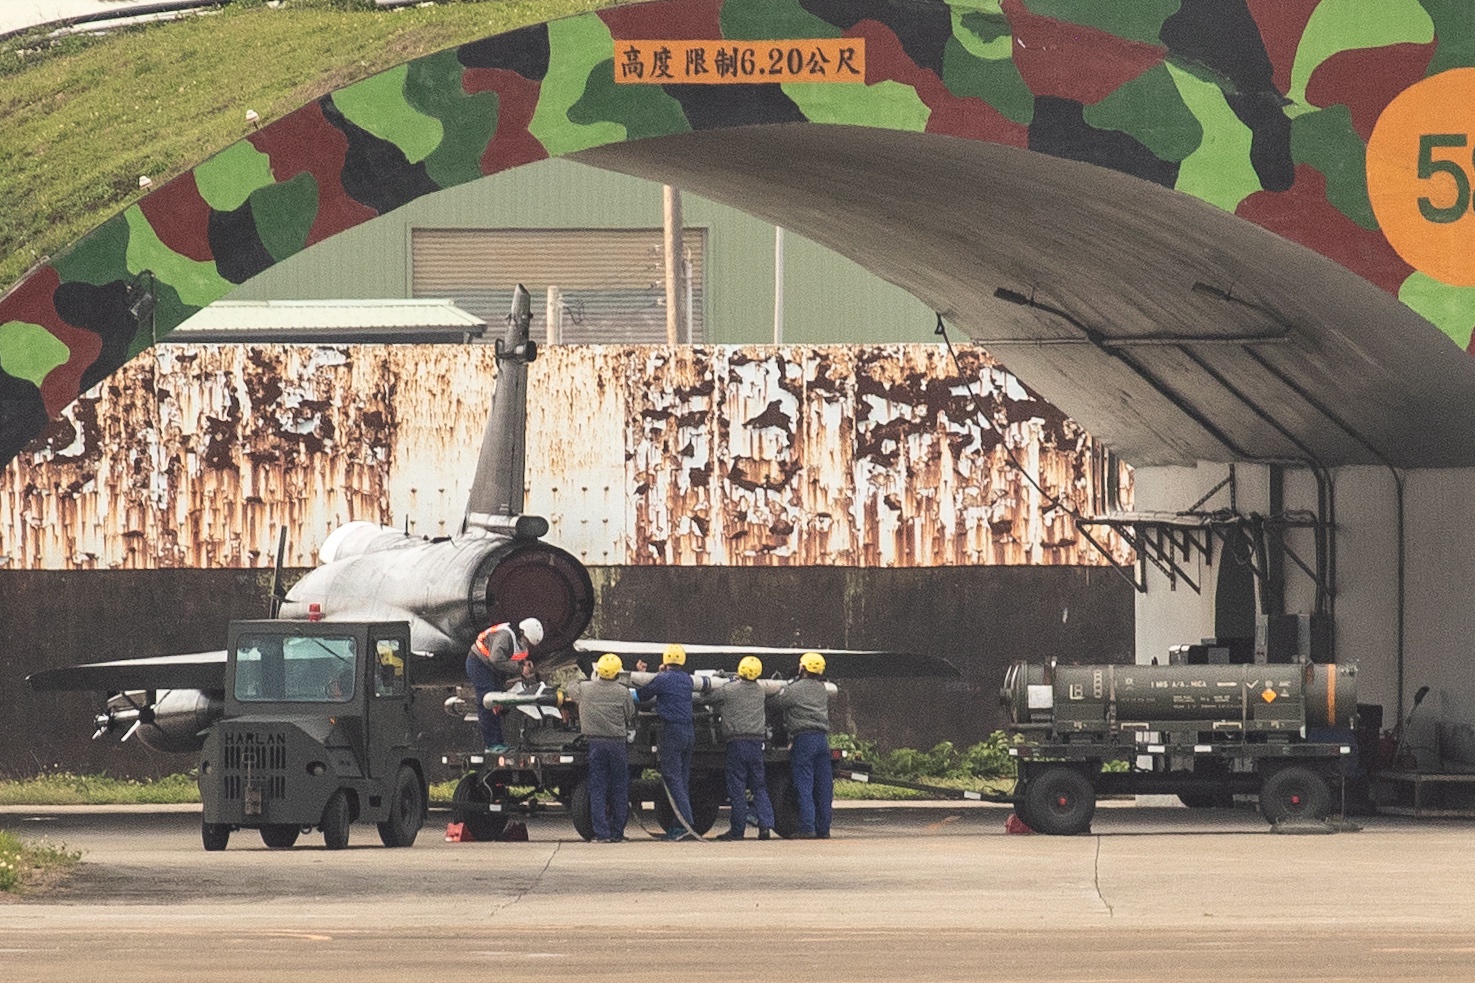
(532, 630)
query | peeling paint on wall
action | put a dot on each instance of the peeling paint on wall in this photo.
(194, 456)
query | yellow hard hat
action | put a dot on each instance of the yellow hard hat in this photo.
(674, 655)
(609, 666)
(812, 662)
(751, 667)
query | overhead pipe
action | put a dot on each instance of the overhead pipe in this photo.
(1325, 491)
(1103, 344)
(1398, 483)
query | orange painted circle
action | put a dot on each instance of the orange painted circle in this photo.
(1421, 175)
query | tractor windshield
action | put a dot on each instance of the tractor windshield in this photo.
(316, 669)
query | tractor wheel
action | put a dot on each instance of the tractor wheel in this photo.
(279, 836)
(707, 794)
(1059, 801)
(406, 810)
(337, 817)
(214, 836)
(581, 810)
(1294, 793)
(471, 791)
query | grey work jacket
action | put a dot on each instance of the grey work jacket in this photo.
(805, 705)
(740, 704)
(606, 708)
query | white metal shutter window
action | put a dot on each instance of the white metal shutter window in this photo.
(612, 280)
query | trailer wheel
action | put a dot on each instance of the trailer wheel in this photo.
(214, 836)
(483, 826)
(279, 836)
(785, 802)
(1059, 801)
(1021, 808)
(406, 810)
(581, 810)
(1294, 793)
(707, 793)
(337, 816)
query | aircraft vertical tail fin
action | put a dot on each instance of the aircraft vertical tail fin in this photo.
(496, 498)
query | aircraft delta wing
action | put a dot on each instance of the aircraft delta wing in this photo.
(201, 670)
(839, 663)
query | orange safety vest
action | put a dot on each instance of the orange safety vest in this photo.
(486, 651)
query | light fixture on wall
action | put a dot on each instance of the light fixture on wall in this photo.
(143, 302)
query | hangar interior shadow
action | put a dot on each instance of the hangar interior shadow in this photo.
(1171, 330)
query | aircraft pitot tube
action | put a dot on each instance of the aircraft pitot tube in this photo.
(176, 720)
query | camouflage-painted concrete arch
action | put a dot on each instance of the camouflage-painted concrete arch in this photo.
(1259, 107)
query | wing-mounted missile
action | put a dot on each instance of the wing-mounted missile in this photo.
(175, 720)
(448, 589)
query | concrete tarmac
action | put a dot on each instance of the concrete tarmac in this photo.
(899, 893)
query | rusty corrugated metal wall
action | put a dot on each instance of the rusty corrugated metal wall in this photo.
(193, 456)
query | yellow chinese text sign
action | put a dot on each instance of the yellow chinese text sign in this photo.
(740, 62)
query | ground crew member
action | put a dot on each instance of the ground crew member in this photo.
(805, 703)
(671, 689)
(744, 727)
(491, 662)
(606, 718)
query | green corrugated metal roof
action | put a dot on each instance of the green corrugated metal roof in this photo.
(418, 320)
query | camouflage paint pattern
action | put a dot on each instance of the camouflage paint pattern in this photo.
(1260, 107)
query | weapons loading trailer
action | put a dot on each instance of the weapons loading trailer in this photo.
(550, 757)
(1205, 733)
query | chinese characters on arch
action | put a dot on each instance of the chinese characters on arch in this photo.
(740, 63)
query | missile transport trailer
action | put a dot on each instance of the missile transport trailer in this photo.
(1205, 733)
(315, 732)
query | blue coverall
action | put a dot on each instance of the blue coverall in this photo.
(484, 680)
(814, 782)
(744, 771)
(671, 689)
(609, 788)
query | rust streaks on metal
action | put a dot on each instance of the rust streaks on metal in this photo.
(194, 456)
